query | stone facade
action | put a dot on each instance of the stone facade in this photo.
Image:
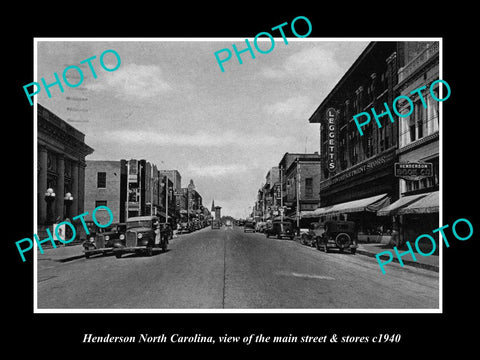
(61, 152)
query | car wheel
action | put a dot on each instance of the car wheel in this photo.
(149, 251)
(268, 235)
(343, 240)
(353, 251)
(303, 240)
(278, 236)
(118, 254)
(291, 237)
(87, 255)
(164, 247)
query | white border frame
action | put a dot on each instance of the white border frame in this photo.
(238, 311)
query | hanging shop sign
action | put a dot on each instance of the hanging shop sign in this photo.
(331, 127)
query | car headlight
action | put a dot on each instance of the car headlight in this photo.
(139, 236)
(122, 236)
(107, 237)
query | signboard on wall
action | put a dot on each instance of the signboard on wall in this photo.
(413, 170)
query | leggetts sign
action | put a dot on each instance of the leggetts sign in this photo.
(331, 127)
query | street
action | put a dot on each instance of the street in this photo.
(228, 269)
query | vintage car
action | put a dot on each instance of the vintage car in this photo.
(310, 236)
(183, 228)
(280, 229)
(101, 240)
(249, 226)
(142, 235)
(338, 234)
(260, 226)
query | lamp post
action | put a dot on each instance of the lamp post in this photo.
(68, 200)
(49, 198)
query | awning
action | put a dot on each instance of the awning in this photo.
(371, 204)
(307, 214)
(426, 205)
(285, 218)
(393, 209)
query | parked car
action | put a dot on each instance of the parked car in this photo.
(183, 228)
(102, 240)
(309, 237)
(143, 234)
(338, 234)
(249, 226)
(280, 229)
(260, 226)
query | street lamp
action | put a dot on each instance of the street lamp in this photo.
(68, 200)
(49, 198)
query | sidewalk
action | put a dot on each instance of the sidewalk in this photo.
(425, 262)
(61, 253)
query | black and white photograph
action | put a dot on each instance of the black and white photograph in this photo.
(224, 180)
(208, 184)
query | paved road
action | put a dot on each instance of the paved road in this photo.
(230, 269)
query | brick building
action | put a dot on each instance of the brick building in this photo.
(106, 184)
(300, 183)
(417, 210)
(357, 171)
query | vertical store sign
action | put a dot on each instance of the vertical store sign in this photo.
(331, 127)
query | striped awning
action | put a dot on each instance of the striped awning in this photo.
(404, 201)
(370, 204)
(426, 205)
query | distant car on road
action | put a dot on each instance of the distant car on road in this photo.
(338, 234)
(216, 224)
(249, 226)
(142, 235)
(280, 229)
(102, 240)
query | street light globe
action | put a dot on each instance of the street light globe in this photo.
(49, 191)
(68, 195)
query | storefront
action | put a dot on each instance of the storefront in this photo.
(415, 215)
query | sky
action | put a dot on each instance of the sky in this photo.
(169, 103)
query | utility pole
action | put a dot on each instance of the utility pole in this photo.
(166, 199)
(298, 193)
(281, 191)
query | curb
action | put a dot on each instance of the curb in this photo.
(384, 257)
(406, 262)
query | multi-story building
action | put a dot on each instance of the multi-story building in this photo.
(104, 182)
(191, 206)
(129, 188)
(417, 210)
(357, 171)
(299, 181)
(61, 152)
(270, 193)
